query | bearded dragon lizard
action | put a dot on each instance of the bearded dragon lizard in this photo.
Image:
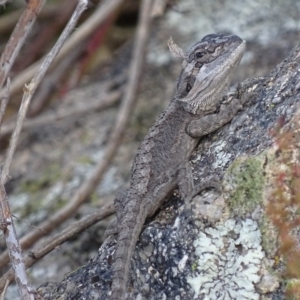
(161, 163)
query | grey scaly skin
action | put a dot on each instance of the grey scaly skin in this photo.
(161, 163)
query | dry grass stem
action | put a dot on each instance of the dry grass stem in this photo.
(59, 238)
(7, 224)
(18, 37)
(135, 72)
(105, 9)
(52, 81)
(31, 87)
(107, 101)
(13, 246)
(2, 296)
(3, 102)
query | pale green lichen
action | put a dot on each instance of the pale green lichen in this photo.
(244, 183)
(229, 261)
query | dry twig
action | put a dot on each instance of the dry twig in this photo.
(8, 56)
(128, 102)
(104, 9)
(31, 87)
(36, 47)
(4, 290)
(18, 37)
(4, 102)
(9, 19)
(59, 238)
(107, 101)
(13, 246)
(51, 82)
(8, 228)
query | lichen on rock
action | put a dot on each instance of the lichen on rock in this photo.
(229, 261)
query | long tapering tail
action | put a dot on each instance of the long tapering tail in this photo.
(129, 232)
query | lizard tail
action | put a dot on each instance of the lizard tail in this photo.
(127, 239)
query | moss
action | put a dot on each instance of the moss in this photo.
(244, 182)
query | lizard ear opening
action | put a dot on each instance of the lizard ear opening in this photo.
(184, 85)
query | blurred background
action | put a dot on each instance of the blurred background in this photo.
(74, 109)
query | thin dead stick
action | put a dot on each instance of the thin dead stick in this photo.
(52, 81)
(8, 228)
(9, 20)
(4, 102)
(105, 9)
(106, 102)
(123, 117)
(4, 290)
(18, 37)
(59, 239)
(13, 246)
(30, 89)
(35, 48)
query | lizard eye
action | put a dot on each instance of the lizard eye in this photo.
(199, 54)
(188, 87)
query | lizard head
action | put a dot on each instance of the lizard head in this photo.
(207, 70)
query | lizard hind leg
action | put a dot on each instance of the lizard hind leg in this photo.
(112, 228)
(119, 204)
(207, 184)
(186, 184)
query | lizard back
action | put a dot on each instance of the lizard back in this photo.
(206, 73)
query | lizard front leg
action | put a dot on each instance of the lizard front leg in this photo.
(198, 128)
(210, 123)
